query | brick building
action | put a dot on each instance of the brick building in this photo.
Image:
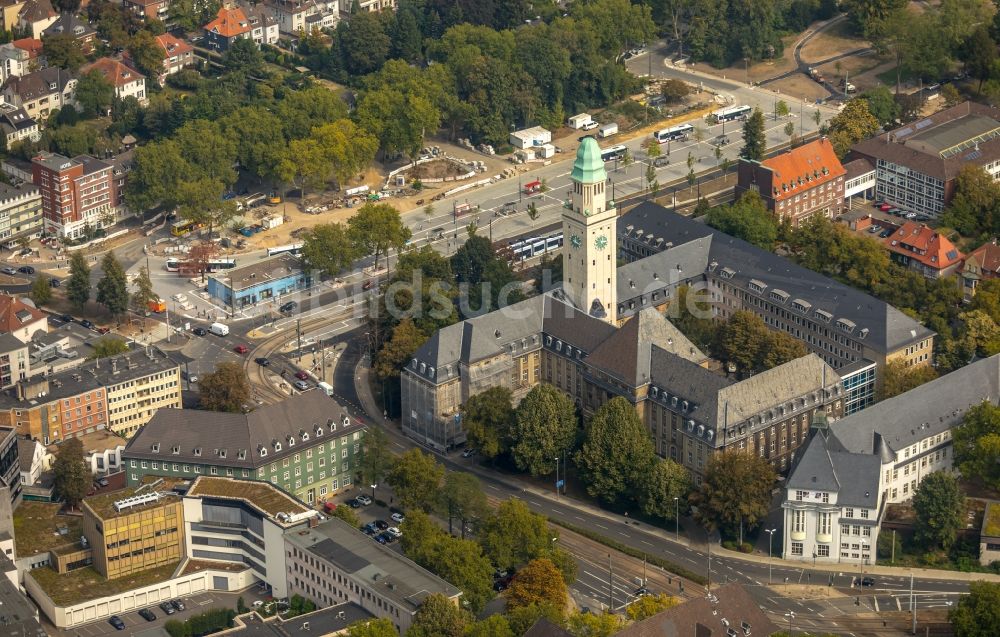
(77, 194)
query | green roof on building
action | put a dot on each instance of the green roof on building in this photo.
(589, 167)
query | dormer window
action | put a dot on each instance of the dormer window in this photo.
(197, 451)
(241, 454)
(801, 306)
(277, 446)
(222, 453)
(823, 315)
(156, 447)
(291, 441)
(846, 324)
(779, 295)
(319, 431)
(756, 285)
(305, 436)
(263, 451)
(175, 450)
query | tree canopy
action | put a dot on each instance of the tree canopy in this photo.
(747, 218)
(736, 491)
(977, 444)
(978, 613)
(544, 428)
(416, 478)
(225, 389)
(71, 476)
(939, 506)
(617, 453)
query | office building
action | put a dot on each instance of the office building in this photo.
(77, 194)
(262, 282)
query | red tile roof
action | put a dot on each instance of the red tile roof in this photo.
(229, 22)
(917, 241)
(31, 45)
(115, 72)
(803, 168)
(172, 46)
(15, 314)
(988, 257)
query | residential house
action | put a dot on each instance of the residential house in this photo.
(370, 5)
(127, 81)
(307, 444)
(17, 125)
(15, 61)
(797, 184)
(234, 22)
(31, 456)
(35, 16)
(20, 213)
(377, 578)
(178, 55)
(924, 250)
(20, 318)
(980, 265)
(41, 92)
(34, 49)
(149, 9)
(296, 17)
(69, 24)
(916, 164)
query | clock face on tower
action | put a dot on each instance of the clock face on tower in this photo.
(601, 242)
(575, 241)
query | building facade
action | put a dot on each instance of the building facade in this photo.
(127, 81)
(246, 22)
(20, 212)
(375, 577)
(130, 532)
(923, 250)
(177, 55)
(982, 264)
(40, 92)
(77, 194)
(307, 445)
(262, 282)
(798, 184)
(295, 17)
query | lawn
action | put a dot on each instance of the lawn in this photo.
(261, 494)
(36, 527)
(991, 527)
(86, 583)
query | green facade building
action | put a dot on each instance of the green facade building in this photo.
(307, 444)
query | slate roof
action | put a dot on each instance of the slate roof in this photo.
(857, 167)
(543, 627)
(825, 466)
(172, 46)
(69, 24)
(35, 85)
(888, 328)
(645, 276)
(198, 434)
(927, 410)
(727, 607)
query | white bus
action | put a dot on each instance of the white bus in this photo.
(615, 152)
(294, 249)
(732, 113)
(173, 264)
(681, 131)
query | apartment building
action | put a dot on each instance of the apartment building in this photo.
(17, 125)
(148, 9)
(797, 184)
(233, 22)
(333, 563)
(296, 17)
(40, 92)
(10, 467)
(307, 444)
(916, 165)
(20, 318)
(77, 194)
(80, 30)
(138, 386)
(239, 521)
(132, 531)
(371, 5)
(20, 212)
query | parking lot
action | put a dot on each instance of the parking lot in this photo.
(375, 512)
(135, 625)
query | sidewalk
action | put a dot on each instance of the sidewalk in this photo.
(370, 406)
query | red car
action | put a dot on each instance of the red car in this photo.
(301, 375)
(885, 207)
(241, 349)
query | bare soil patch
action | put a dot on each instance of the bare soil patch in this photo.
(833, 40)
(437, 169)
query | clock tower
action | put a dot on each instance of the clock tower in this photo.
(589, 246)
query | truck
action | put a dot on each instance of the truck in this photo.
(816, 75)
(157, 306)
(219, 329)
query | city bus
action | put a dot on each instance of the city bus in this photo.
(732, 113)
(173, 264)
(681, 131)
(184, 226)
(615, 152)
(295, 249)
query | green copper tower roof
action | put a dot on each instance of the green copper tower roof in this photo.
(589, 167)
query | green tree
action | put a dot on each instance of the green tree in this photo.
(398, 350)
(347, 514)
(977, 444)
(146, 53)
(616, 453)
(377, 458)
(416, 478)
(462, 498)
(870, 16)
(881, 104)
(94, 93)
(243, 56)
(112, 289)
(544, 428)
(736, 491)
(108, 346)
(70, 474)
(974, 210)
(790, 132)
(852, 124)
(209, 152)
(488, 418)
(201, 200)
(260, 140)
(381, 627)
(304, 164)
(377, 227)
(438, 616)
(326, 247)
(301, 111)
(159, 168)
(978, 613)
(225, 389)
(144, 293)
(513, 535)
(781, 109)
(939, 506)
(538, 583)
(349, 149)
(522, 618)
(605, 624)
(665, 481)
(41, 291)
(748, 219)
(78, 286)
(674, 90)
(897, 378)
(492, 626)
(980, 55)
(754, 137)
(62, 50)
(364, 43)
(649, 605)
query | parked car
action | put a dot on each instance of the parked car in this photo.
(867, 581)
(167, 608)
(381, 525)
(398, 518)
(262, 361)
(394, 531)
(200, 331)
(87, 324)
(370, 529)
(885, 233)
(301, 375)
(241, 349)
(9, 270)
(102, 330)
(147, 614)
(301, 385)
(288, 307)
(54, 283)
(721, 140)
(875, 229)
(26, 269)
(117, 622)
(382, 538)
(178, 604)
(468, 453)
(363, 499)
(66, 318)
(354, 504)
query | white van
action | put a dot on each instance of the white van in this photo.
(326, 387)
(219, 329)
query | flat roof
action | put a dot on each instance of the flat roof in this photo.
(352, 552)
(19, 616)
(103, 505)
(327, 621)
(263, 496)
(100, 440)
(273, 269)
(38, 526)
(954, 133)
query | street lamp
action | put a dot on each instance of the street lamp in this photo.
(677, 519)
(861, 580)
(557, 477)
(770, 536)
(373, 491)
(790, 615)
